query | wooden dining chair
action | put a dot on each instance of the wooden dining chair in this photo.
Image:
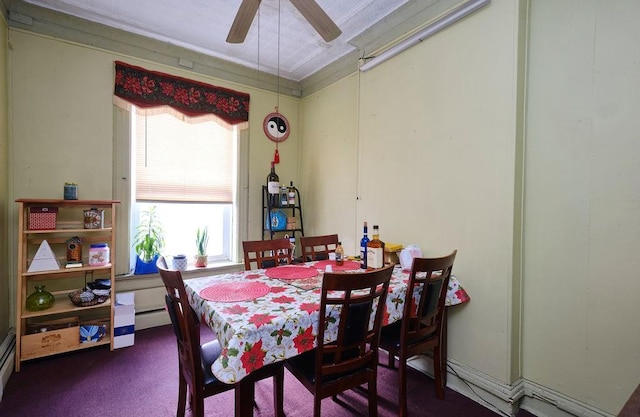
(351, 359)
(195, 360)
(267, 253)
(318, 248)
(420, 330)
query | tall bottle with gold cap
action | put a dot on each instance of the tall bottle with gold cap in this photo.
(375, 250)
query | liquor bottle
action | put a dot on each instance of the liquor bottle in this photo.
(292, 195)
(375, 250)
(283, 196)
(273, 187)
(339, 254)
(363, 248)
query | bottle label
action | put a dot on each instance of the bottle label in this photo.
(375, 257)
(363, 257)
(339, 259)
(273, 187)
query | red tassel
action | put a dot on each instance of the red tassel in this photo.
(276, 157)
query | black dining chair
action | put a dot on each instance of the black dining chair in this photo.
(351, 359)
(195, 360)
(318, 248)
(267, 253)
(420, 331)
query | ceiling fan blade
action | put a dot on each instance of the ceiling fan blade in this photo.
(320, 21)
(243, 20)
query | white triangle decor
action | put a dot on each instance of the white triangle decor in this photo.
(44, 259)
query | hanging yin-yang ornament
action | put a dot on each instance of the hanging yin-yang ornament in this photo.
(276, 127)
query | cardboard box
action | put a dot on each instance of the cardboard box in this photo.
(124, 320)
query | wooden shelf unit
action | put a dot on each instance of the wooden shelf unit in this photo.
(61, 282)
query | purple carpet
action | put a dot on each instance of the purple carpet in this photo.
(142, 380)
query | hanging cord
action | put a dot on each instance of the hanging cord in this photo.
(146, 117)
(278, 62)
(276, 155)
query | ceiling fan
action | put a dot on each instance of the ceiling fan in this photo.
(311, 11)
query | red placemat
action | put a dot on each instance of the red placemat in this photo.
(291, 272)
(235, 291)
(346, 266)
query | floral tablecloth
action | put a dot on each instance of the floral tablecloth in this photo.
(282, 324)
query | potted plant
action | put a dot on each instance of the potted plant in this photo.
(202, 241)
(148, 241)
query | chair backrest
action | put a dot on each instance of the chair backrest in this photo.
(267, 253)
(318, 248)
(351, 299)
(428, 284)
(185, 324)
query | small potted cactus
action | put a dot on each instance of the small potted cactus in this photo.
(202, 241)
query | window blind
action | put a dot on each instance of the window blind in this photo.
(179, 161)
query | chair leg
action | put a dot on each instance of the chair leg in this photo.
(182, 397)
(373, 396)
(402, 391)
(392, 360)
(197, 405)
(439, 368)
(278, 391)
(316, 405)
(244, 394)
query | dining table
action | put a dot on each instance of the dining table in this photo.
(263, 316)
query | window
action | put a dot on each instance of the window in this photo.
(184, 150)
(187, 170)
(190, 170)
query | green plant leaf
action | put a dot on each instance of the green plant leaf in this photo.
(149, 239)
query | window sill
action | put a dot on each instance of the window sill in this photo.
(132, 282)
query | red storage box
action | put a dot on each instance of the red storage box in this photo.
(42, 218)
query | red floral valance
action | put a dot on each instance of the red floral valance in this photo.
(145, 88)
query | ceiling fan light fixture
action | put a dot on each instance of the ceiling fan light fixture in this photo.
(309, 9)
(243, 20)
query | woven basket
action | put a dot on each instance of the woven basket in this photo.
(76, 300)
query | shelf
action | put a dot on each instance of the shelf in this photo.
(103, 230)
(62, 305)
(66, 203)
(69, 223)
(66, 271)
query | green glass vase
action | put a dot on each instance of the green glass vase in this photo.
(40, 299)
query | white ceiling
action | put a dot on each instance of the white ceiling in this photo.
(280, 41)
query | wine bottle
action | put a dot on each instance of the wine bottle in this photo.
(339, 254)
(375, 250)
(273, 186)
(363, 248)
(291, 195)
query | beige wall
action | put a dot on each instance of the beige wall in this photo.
(438, 152)
(581, 286)
(431, 162)
(5, 295)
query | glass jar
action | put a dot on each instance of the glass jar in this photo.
(99, 254)
(40, 299)
(70, 191)
(180, 262)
